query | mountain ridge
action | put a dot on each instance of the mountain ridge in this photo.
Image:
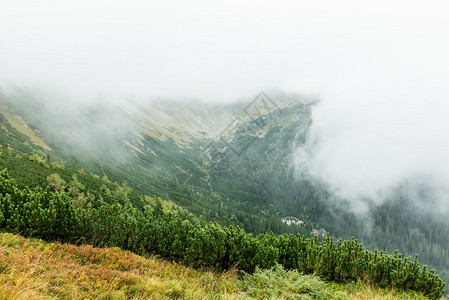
(243, 177)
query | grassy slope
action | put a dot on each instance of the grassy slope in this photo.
(34, 269)
(137, 289)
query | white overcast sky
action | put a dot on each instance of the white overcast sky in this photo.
(380, 67)
(216, 49)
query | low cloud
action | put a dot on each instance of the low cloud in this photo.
(373, 135)
(381, 71)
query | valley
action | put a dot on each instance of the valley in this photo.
(229, 164)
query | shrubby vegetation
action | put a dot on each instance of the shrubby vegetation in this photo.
(253, 189)
(277, 283)
(36, 269)
(162, 228)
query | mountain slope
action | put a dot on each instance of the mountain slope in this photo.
(242, 176)
(35, 269)
(149, 225)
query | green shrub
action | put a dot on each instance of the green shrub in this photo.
(37, 212)
(276, 282)
(171, 233)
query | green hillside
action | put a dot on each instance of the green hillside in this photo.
(145, 225)
(233, 171)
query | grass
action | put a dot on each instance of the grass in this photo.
(277, 283)
(34, 269)
(20, 125)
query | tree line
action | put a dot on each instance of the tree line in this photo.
(171, 232)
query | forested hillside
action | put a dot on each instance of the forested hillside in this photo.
(241, 177)
(161, 228)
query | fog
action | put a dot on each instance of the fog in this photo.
(211, 49)
(365, 142)
(380, 70)
(384, 124)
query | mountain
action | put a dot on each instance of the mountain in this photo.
(169, 148)
(226, 163)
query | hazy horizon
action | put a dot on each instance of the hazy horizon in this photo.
(380, 70)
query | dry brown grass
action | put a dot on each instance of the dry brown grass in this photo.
(33, 269)
(362, 291)
(20, 125)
